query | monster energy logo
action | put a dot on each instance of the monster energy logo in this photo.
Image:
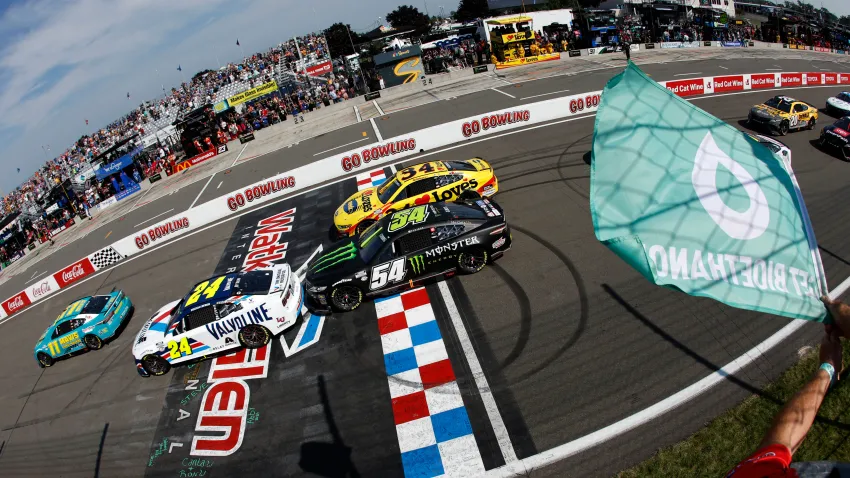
(345, 253)
(417, 263)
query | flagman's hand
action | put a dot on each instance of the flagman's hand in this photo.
(840, 313)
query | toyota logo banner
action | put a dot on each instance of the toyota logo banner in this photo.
(694, 204)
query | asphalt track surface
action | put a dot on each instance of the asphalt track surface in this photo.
(570, 339)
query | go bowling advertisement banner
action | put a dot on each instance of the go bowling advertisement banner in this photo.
(694, 204)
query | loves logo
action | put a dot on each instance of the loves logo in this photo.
(74, 272)
(423, 199)
(16, 303)
(511, 37)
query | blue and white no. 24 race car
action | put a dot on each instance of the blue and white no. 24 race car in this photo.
(85, 324)
(242, 309)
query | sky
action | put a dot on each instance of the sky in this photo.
(62, 62)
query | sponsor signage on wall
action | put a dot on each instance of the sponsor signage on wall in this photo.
(74, 272)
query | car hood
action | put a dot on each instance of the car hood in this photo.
(151, 337)
(358, 206)
(767, 110)
(838, 131)
(838, 103)
(342, 260)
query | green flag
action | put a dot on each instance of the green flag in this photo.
(694, 204)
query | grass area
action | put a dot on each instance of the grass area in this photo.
(735, 434)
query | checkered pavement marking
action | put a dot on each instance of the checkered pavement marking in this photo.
(433, 427)
(370, 178)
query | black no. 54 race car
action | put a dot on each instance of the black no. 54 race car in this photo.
(407, 247)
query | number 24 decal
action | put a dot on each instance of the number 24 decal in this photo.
(179, 349)
(382, 274)
(206, 289)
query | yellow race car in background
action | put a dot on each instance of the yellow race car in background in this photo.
(781, 114)
(419, 184)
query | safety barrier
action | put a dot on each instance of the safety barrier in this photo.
(376, 155)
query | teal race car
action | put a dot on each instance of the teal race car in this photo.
(85, 324)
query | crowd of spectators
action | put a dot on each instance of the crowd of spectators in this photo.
(201, 89)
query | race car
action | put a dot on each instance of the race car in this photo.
(837, 135)
(86, 324)
(839, 105)
(405, 248)
(241, 309)
(775, 146)
(420, 184)
(781, 114)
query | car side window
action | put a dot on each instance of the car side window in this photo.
(421, 187)
(413, 242)
(447, 179)
(799, 108)
(384, 255)
(56, 333)
(444, 233)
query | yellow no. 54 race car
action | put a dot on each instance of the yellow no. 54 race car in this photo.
(781, 114)
(420, 184)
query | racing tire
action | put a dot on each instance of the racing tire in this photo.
(93, 342)
(812, 123)
(44, 360)
(155, 365)
(468, 196)
(362, 227)
(783, 128)
(472, 261)
(254, 336)
(346, 297)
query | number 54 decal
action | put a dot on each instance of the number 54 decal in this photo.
(382, 274)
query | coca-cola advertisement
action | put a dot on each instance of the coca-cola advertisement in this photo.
(74, 272)
(42, 288)
(16, 303)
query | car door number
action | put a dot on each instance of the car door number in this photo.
(793, 120)
(383, 274)
(179, 349)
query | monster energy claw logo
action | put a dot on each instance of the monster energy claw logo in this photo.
(334, 257)
(417, 263)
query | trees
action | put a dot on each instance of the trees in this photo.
(407, 17)
(468, 10)
(338, 41)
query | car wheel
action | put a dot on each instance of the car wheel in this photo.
(93, 342)
(44, 360)
(254, 336)
(155, 365)
(845, 153)
(362, 227)
(469, 196)
(783, 128)
(812, 123)
(472, 261)
(346, 298)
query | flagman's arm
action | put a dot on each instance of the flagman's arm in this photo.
(793, 422)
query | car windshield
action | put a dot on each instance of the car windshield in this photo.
(95, 305)
(371, 241)
(843, 123)
(771, 146)
(779, 104)
(388, 189)
(844, 97)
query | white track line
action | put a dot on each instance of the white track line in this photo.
(357, 113)
(502, 92)
(238, 155)
(496, 421)
(718, 66)
(219, 184)
(686, 74)
(341, 146)
(375, 128)
(377, 107)
(133, 207)
(544, 94)
(151, 219)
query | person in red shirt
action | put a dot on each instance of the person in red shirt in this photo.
(209, 144)
(772, 459)
(198, 146)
